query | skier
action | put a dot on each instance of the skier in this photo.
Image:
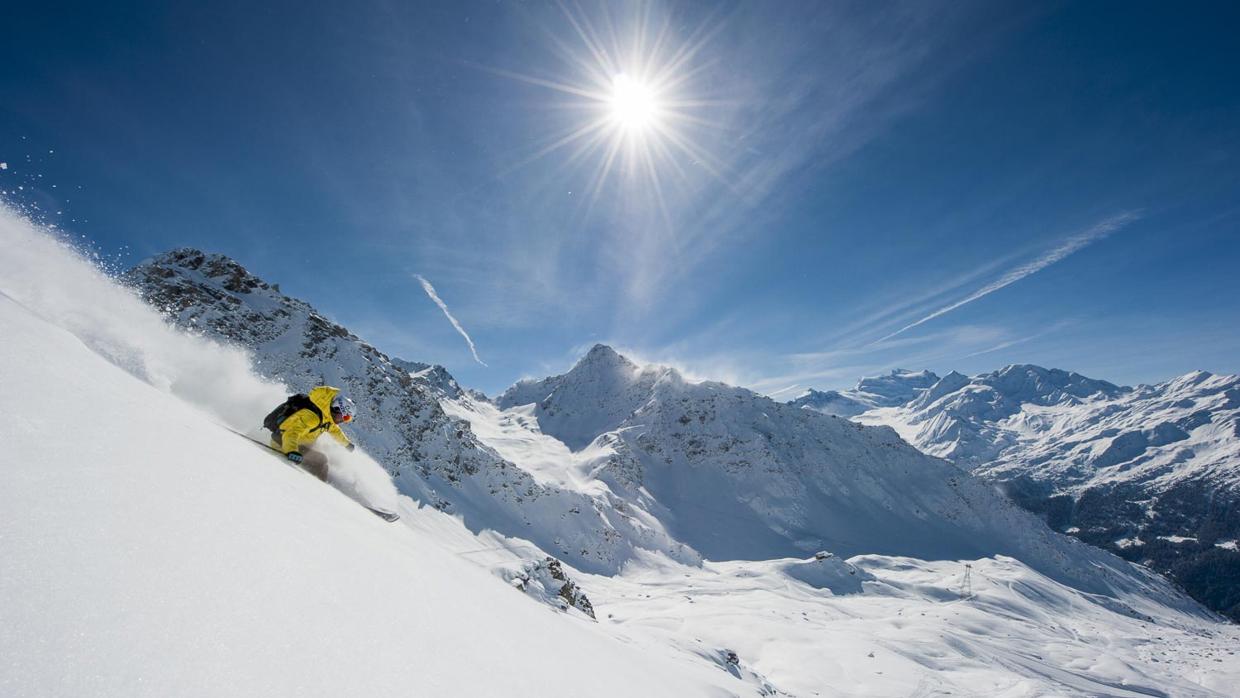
(299, 421)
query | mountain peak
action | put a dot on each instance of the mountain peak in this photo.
(1036, 384)
(220, 269)
(815, 393)
(604, 355)
(598, 394)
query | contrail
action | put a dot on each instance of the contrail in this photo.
(1071, 245)
(430, 291)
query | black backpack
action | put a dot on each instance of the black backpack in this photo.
(293, 404)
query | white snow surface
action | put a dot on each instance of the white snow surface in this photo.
(147, 550)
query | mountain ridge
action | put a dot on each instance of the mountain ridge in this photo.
(655, 463)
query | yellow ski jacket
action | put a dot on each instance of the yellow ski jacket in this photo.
(303, 427)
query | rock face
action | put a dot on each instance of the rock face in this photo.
(547, 581)
(432, 456)
(1150, 472)
(398, 417)
(435, 377)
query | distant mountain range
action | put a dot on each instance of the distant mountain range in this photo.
(897, 388)
(1150, 472)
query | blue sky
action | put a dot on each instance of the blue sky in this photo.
(830, 189)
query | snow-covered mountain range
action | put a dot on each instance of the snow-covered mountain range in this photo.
(686, 512)
(1150, 472)
(736, 475)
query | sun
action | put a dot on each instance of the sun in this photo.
(633, 105)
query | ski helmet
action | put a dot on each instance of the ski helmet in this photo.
(343, 409)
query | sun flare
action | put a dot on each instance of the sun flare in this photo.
(633, 105)
(636, 108)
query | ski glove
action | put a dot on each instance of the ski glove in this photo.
(294, 456)
(350, 447)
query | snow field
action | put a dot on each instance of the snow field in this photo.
(149, 552)
(910, 632)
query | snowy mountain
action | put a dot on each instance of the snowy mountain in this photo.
(148, 550)
(1150, 472)
(432, 456)
(896, 388)
(737, 475)
(435, 377)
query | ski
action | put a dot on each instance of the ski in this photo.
(389, 516)
(385, 515)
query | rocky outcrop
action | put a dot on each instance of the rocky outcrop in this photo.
(547, 581)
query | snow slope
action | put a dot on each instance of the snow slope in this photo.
(905, 629)
(152, 552)
(149, 551)
(887, 626)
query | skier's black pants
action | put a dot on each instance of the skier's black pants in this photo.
(314, 462)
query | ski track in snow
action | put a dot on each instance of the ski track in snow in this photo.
(147, 551)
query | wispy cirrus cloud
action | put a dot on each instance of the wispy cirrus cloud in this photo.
(430, 291)
(1068, 247)
(1057, 327)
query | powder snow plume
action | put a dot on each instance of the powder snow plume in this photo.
(53, 280)
(50, 278)
(430, 291)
